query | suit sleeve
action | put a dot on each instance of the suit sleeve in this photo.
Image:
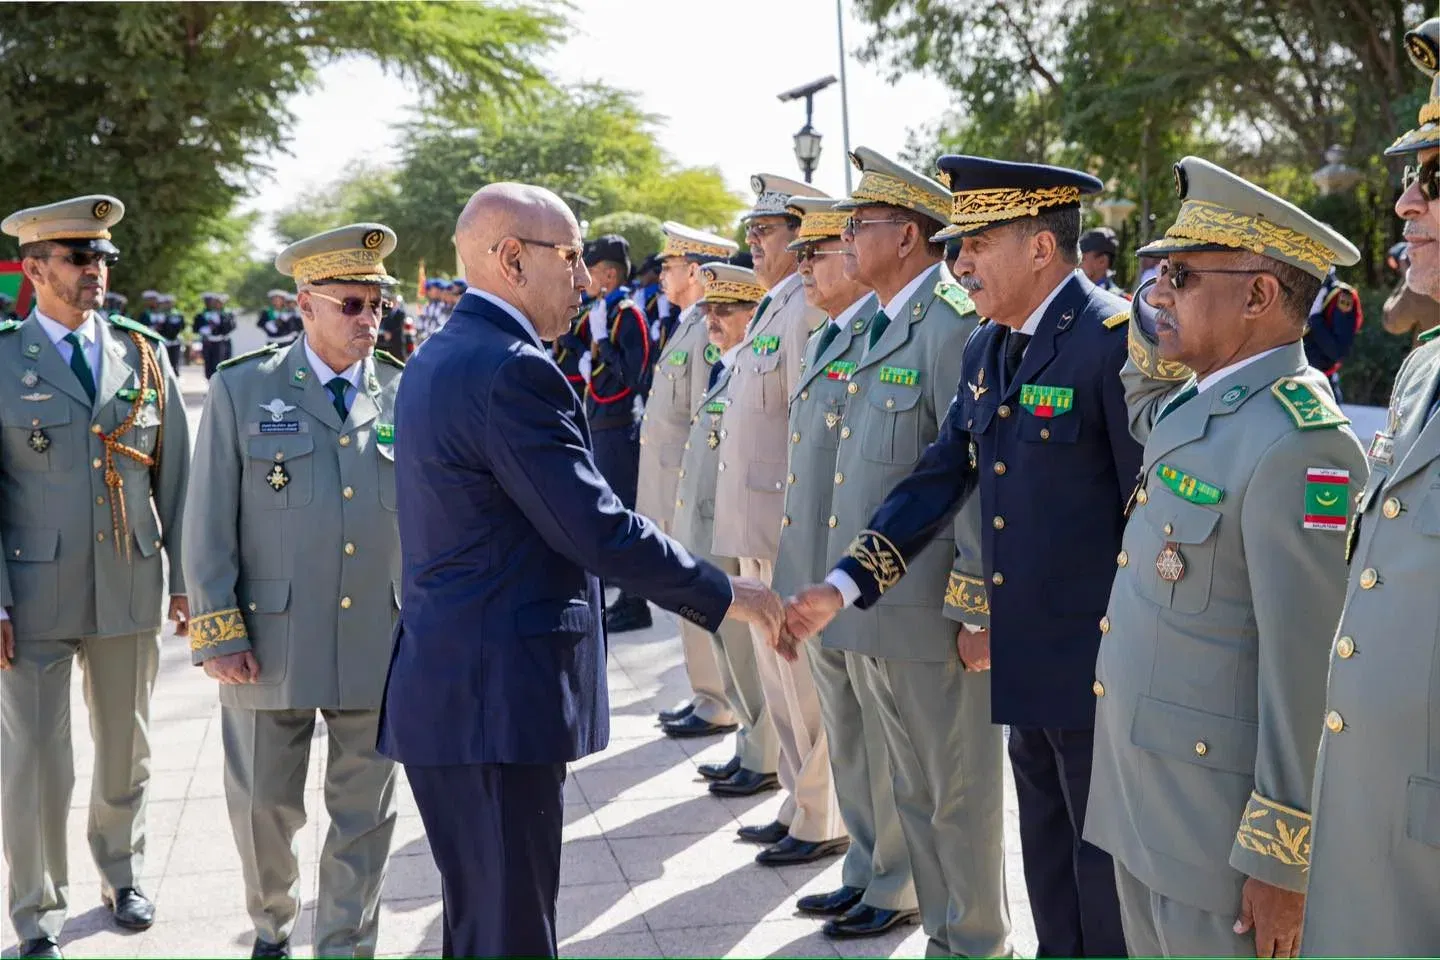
(967, 600)
(622, 359)
(172, 480)
(540, 457)
(1126, 453)
(211, 551)
(1148, 381)
(1297, 585)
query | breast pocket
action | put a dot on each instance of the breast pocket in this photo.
(34, 577)
(38, 437)
(677, 376)
(892, 424)
(386, 486)
(766, 384)
(1180, 573)
(1059, 429)
(282, 471)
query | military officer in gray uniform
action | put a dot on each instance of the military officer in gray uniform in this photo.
(1211, 674)
(681, 376)
(731, 293)
(93, 468)
(294, 575)
(946, 756)
(876, 891)
(1375, 866)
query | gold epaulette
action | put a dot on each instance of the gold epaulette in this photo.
(264, 351)
(385, 356)
(1309, 410)
(967, 594)
(1121, 318)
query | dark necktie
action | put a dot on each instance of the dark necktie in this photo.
(81, 366)
(1181, 398)
(877, 326)
(1015, 343)
(716, 368)
(337, 387)
(827, 337)
(759, 312)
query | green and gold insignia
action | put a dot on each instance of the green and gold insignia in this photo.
(300, 374)
(903, 376)
(7, 325)
(678, 358)
(125, 323)
(839, 369)
(264, 351)
(715, 406)
(1045, 401)
(859, 324)
(763, 346)
(1327, 495)
(1189, 488)
(1119, 319)
(32, 350)
(1234, 395)
(385, 356)
(955, 295)
(384, 433)
(1428, 335)
(130, 393)
(712, 353)
(1308, 409)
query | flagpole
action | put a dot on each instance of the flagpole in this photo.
(844, 90)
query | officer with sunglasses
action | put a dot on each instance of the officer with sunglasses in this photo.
(94, 457)
(1375, 858)
(294, 576)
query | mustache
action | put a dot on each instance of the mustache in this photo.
(970, 283)
(1411, 236)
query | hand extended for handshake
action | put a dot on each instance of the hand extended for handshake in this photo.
(786, 625)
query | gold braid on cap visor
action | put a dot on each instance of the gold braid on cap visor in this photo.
(732, 291)
(973, 207)
(1204, 222)
(826, 225)
(338, 263)
(879, 188)
(680, 247)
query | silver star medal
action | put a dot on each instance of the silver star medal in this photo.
(277, 409)
(29, 378)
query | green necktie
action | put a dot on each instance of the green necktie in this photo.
(1181, 398)
(832, 330)
(877, 326)
(759, 312)
(81, 366)
(337, 387)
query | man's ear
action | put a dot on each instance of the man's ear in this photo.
(1042, 248)
(1263, 295)
(30, 266)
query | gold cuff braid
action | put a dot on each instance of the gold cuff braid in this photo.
(217, 627)
(1276, 831)
(878, 557)
(967, 594)
(1148, 362)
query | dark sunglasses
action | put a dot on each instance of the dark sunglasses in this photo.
(1427, 175)
(1178, 275)
(86, 258)
(805, 254)
(354, 306)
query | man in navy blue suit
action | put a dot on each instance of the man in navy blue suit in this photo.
(1039, 426)
(497, 678)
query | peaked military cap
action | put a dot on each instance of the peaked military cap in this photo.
(773, 193)
(727, 283)
(210, 295)
(81, 222)
(821, 218)
(354, 253)
(1220, 211)
(149, 294)
(989, 192)
(1099, 240)
(882, 180)
(272, 294)
(1423, 45)
(610, 248)
(695, 245)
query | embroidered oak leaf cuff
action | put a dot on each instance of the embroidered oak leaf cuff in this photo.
(218, 633)
(966, 600)
(878, 557)
(1273, 843)
(1145, 355)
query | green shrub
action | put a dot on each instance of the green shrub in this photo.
(642, 232)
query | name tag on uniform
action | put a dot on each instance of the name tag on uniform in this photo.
(284, 426)
(764, 346)
(903, 376)
(1382, 448)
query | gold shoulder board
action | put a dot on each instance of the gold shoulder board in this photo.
(1120, 319)
(955, 295)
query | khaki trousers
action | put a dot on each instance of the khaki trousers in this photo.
(804, 754)
(707, 686)
(37, 768)
(1157, 926)
(267, 753)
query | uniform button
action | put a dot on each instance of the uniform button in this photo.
(345, 440)
(969, 423)
(1334, 722)
(853, 389)
(35, 422)
(1392, 508)
(1123, 559)
(95, 463)
(1044, 433)
(722, 466)
(157, 544)
(1368, 578)
(1168, 529)
(645, 417)
(724, 434)
(279, 456)
(839, 478)
(687, 444)
(252, 606)
(889, 403)
(94, 428)
(844, 433)
(999, 468)
(790, 478)
(1004, 410)
(348, 493)
(832, 521)
(998, 523)
(682, 474)
(1345, 648)
(795, 437)
(349, 549)
(778, 485)
(344, 603)
(679, 503)
(100, 535)
(997, 578)
(1201, 748)
(1104, 624)
(99, 499)
(1097, 688)
(642, 441)
(1141, 496)
(784, 521)
(804, 394)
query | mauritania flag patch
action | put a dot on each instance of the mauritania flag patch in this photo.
(1327, 497)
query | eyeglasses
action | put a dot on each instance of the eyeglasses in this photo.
(354, 306)
(1180, 274)
(86, 258)
(853, 224)
(1427, 175)
(805, 254)
(572, 254)
(760, 230)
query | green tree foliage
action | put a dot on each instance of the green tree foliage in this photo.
(363, 187)
(170, 105)
(642, 232)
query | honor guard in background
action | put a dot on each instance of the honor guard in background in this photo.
(1210, 682)
(681, 377)
(1098, 250)
(731, 294)
(615, 371)
(570, 346)
(7, 309)
(945, 755)
(1335, 319)
(151, 314)
(169, 324)
(876, 891)
(115, 305)
(1375, 863)
(93, 469)
(294, 574)
(274, 320)
(213, 326)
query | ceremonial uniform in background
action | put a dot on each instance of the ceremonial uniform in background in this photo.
(1375, 865)
(169, 324)
(296, 557)
(1210, 680)
(572, 345)
(213, 326)
(275, 322)
(93, 468)
(1335, 320)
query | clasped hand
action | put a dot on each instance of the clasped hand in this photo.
(786, 625)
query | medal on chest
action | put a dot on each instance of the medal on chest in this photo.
(278, 478)
(1170, 565)
(38, 441)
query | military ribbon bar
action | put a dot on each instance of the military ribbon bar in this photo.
(762, 346)
(1043, 401)
(715, 406)
(839, 369)
(1189, 488)
(1327, 496)
(384, 433)
(678, 358)
(900, 375)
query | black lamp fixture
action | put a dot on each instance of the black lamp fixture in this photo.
(807, 139)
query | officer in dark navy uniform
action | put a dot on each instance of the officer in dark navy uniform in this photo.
(616, 369)
(1039, 426)
(1335, 319)
(570, 346)
(170, 323)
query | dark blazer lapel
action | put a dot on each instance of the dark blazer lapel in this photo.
(1059, 317)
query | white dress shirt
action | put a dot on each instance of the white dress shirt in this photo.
(89, 336)
(324, 374)
(908, 291)
(1214, 378)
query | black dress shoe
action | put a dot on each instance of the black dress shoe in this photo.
(864, 920)
(720, 771)
(628, 613)
(745, 783)
(264, 948)
(41, 948)
(693, 726)
(772, 832)
(831, 904)
(676, 713)
(791, 851)
(131, 908)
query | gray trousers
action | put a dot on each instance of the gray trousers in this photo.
(877, 860)
(756, 743)
(266, 756)
(37, 768)
(947, 765)
(1157, 926)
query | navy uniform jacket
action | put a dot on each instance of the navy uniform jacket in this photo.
(1053, 491)
(499, 654)
(621, 363)
(570, 346)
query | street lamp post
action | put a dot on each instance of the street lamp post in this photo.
(807, 139)
(1336, 176)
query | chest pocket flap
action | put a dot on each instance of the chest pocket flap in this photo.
(265, 596)
(977, 415)
(31, 544)
(1180, 521)
(287, 446)
(1194, 736)
(55, 413)
(894, 397)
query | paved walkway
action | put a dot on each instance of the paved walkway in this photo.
(651, 867)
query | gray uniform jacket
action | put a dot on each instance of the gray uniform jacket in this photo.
(1211, 672)
(64, 576)
(681, 375)
(295, 546)
(694, 521)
